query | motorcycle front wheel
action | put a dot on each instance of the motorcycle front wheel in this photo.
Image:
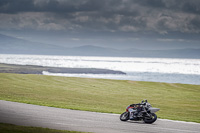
(124, 116)
(151, 120)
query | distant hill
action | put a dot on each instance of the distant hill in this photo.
(12, 45)
(173, 53)
(89, 50)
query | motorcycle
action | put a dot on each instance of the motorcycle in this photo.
(145, 112)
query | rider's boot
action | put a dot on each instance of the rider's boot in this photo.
(131, 116)
(135, 114)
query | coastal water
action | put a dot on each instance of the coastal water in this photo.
(139, 69)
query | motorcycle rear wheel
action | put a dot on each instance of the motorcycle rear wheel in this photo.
(124, 116)
(151, 120)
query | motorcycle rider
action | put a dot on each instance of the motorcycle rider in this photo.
(134, 109)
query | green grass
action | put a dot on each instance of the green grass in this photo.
(176, 101)
(9, 128)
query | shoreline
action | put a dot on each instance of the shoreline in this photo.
(34, 69)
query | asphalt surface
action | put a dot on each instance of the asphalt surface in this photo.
(65, 119)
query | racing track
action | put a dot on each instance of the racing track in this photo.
(65, 119)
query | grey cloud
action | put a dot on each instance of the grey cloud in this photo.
(161, 16)
(152, 3)
(15, 6)
(188, 6)
(12, 6)
(195, 23)
(115, 6)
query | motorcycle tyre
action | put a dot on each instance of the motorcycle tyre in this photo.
(126, 118)
(150, 121)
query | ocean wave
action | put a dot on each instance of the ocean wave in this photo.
(128, 65)
(137, 76)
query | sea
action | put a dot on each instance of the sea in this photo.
(168, 70)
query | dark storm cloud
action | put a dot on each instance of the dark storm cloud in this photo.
(189, 6)
(12, 6)
(116, 6)
(192, 6)
(159, 16)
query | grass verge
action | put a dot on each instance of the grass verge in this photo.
(176, 101)
(10, 128)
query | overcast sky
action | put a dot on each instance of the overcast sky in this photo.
(142, 24)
